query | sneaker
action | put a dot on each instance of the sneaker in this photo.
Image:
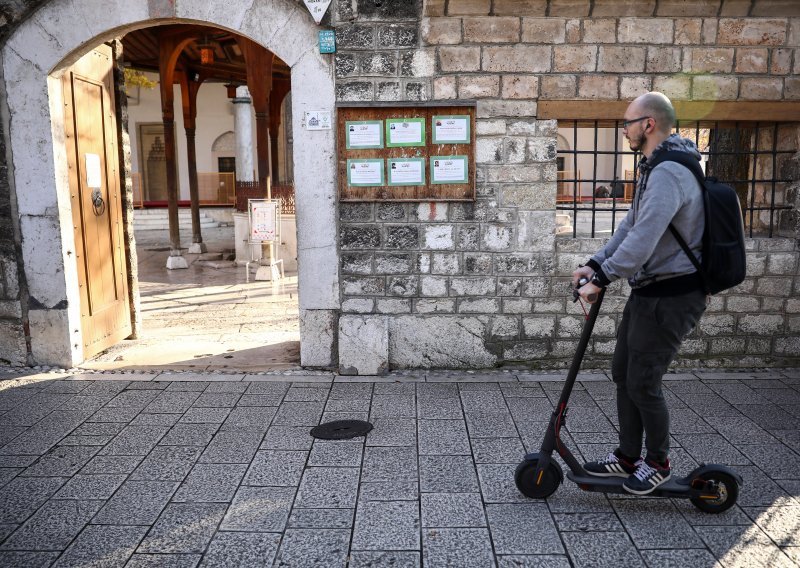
(647, 477)
(613, 465)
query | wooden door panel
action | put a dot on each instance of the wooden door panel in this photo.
(92, 154)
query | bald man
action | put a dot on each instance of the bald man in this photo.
(667, 295)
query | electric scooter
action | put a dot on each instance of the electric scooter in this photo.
(711, 488)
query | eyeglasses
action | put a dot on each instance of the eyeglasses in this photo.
(627, 123)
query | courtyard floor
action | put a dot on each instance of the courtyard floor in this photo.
(218, 469)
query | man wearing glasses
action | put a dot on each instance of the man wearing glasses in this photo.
(667, 296)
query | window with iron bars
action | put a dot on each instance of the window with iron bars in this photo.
(597, 172)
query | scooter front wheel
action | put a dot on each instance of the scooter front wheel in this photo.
(546, 484)
(727, 489)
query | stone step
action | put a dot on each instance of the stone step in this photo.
(157, 219)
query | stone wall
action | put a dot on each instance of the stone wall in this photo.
(486, 283)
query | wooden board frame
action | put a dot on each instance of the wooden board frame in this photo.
(427, 192)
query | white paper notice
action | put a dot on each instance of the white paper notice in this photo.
(451, 130)
(366, 173)
(263, 216)
(405, 133)
(94, 178)
(406, 173)
(364, 135)
(449, 170)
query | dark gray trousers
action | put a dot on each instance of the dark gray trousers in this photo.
(648, 338)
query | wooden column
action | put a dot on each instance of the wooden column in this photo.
(258, 62)
(189, 88)
(280, 89)
(169, 50)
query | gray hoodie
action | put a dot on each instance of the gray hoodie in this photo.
(643, 250)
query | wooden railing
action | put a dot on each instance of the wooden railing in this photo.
(254, 190)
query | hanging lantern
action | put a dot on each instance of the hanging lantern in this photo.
(206, 52)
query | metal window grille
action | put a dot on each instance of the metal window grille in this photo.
(597, 172)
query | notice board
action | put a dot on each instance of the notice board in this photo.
(403, 152)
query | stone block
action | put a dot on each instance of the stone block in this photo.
(402, 285)
(364, 286)
(708, 35)
(12, 343)
(751, 60)
(459, 59)
(715, 88)
(517, 305)
(520, 7)
(632, 87)
(761, 324)
(402, 237)
(676, 87)
(446, 263)
(479, 306)
(469, 7)
(438, 237)
(389, 10)
(477, 263)
(363, 345)
(575, 58)
(491, 29)
(356, 263)
(434, 306)
(397, 36)
(687, 31)
(680, 8)
(498, 237)
(378, 63)
(761, 89)
(663, 60)
(478, 86)
(597, 87)
(439, 341)
(526, 350)
(417, 91)
(520, 87)
(356, 36)
(354, 91)
(708, 60)
(358, 305)
(444, 88)
(559, 86)
(621, 59)
(509, 286)
(509, 108)
(434, 8)
(490, 127)
(418, 63)
(600, 30)
(717, 325)
(433, 286)
(645, 30)
(318, 337)
(792, 88)
(541, 149)
(781, 62)
(572, 8)
(543, 30)
(399, 263)
(751, 31)
(573, 31)
(359, 237)
(516, 59)
(468, 237)
(473, 286)
(346, 65)
(538, 327)
(387, 91)
(514, 150)
(441, 31)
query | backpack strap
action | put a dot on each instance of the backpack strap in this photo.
(693, 166)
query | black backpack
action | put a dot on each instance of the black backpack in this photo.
(724, 262)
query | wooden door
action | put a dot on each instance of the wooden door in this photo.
(91, 140)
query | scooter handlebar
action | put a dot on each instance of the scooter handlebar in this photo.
(575, 294)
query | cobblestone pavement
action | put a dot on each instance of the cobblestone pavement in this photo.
(220, 470)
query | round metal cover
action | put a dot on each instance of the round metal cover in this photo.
(341, 429)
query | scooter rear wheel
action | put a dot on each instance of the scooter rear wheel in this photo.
(525, 478)
(728, 493)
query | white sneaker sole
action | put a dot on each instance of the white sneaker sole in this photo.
(647, 491)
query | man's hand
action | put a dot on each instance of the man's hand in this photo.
(589, 292)
(581, 272)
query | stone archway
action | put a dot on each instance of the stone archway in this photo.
(56, 36)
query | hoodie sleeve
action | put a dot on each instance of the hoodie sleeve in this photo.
(622, 257)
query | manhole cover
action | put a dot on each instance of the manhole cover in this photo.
(341, 429)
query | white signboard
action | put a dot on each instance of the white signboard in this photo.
(406, 171)
(318, 120)
(94, 178)
(365, 172)
(263, 220)
(454, 129)
(317, 8)
(449, 169)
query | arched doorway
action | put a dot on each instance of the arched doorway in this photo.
(62, 32)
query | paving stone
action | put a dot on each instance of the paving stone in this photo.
(336, 416)
(170, 401)
(18, 461)
(216, 400)
(769, 417)
(226, 387)
(73, 440)
(347, 405)
(133, 399)
(167, 463)
(6, 529)
(601, 549)
(680, 559)
(268, 388)
(447, 474)
(23, 495)
(743, 546)
(314, 547)
(276, 468)
(695, 517)
(53, 526)
(439, 408)
(85, 487)
(183, 528)
(711, 448)
(437, 390)
(145, 419)
(299, 414)
(189, 435)
(392, 525)
(163, 561)
(61, 460)
(523, 528)
(44, 434)
(135, 440)
(209, 483)
(339, 453)
(390, 465)
(497, 450)
(295, 394)
(457, 547)
(321, 518)
(776, 460)
(393, 406)
(452, 510)
(740, 430)
(585, 522)
(259, 400)
(252, 418)
(27, 559)
(136, 503)
(781, 522)
(232, 447)
(655, 524)
(396, 559)
(497, 484)
(8, 433)
(117, 414)
(389, 491)
(443, 437)
(757, 488)
(394, 388)
(111, 464)
(245, 550)
(8, 473)
(328, 488)
(350, 391)
(205, 416)
(287, 438)
(185, 382)
(483, 402)
(261, 509)
(491, 426)
(393, 432)
(100, 546)
(538, 561)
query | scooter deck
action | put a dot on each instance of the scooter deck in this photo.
(674, 486)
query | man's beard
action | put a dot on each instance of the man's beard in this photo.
(636, 142)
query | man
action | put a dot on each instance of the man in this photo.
(667, 297)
